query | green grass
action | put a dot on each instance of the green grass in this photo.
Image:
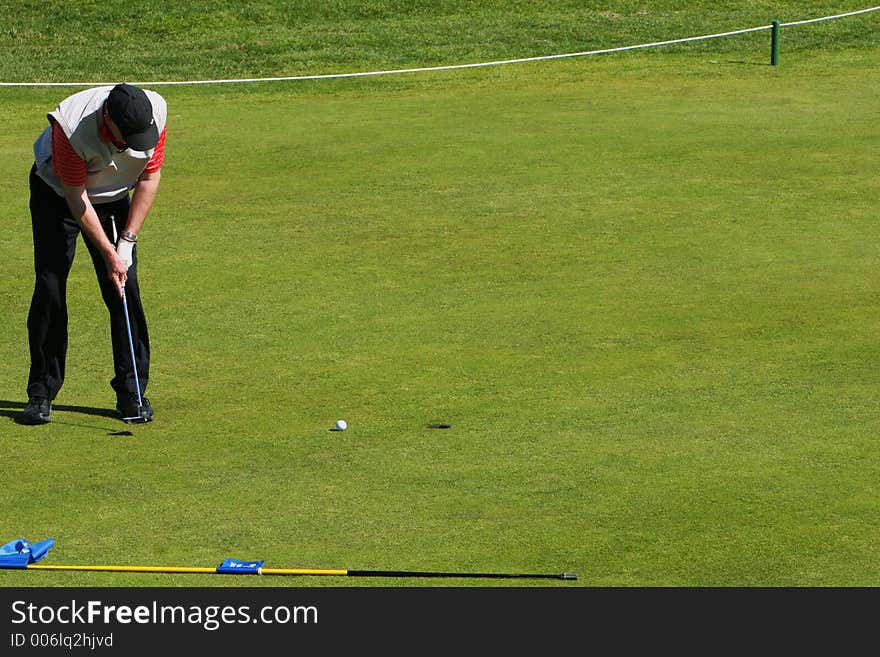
(641, 288)
(103, 41)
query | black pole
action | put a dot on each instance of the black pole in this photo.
(774, 44)
(410, 573)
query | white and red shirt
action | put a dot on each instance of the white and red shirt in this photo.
(77, 148)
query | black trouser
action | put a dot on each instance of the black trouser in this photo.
(55, 235)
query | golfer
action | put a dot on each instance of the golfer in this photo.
(97, 169)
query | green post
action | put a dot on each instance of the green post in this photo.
(774, 44)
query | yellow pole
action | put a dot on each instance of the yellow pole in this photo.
(124, 569)
(300, 571)
(183, 569)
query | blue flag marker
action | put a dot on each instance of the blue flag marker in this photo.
(19, 553)
(237, 567)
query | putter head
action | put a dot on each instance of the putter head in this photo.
(142, 416)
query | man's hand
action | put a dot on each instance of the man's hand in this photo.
(117, 270)
(123, 250)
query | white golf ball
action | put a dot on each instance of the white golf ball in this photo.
(341, 425)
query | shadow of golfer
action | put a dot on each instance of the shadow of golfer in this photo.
(13, 410)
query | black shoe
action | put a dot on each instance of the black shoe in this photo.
(37, 411)
(130, 412)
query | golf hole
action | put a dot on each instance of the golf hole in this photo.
(120, 433)
(439, 426)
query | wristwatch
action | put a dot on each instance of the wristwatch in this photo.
(128, 236)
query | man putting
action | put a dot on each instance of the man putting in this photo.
(97, 170)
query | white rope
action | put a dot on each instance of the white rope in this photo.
(828, 18)
(437, 68)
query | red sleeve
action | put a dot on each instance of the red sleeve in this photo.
(70, 167)
(158, 158)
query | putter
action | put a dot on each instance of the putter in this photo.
(141, 416)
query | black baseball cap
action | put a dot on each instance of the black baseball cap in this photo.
(132, 113)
